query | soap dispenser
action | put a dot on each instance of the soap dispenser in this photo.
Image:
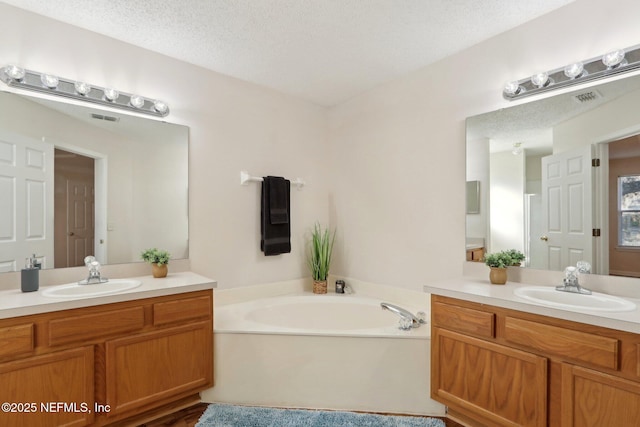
(30, 280)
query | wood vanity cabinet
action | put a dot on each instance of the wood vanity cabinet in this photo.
(499, 367)
(112, 364)
(476, 254)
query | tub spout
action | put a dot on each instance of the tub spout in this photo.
(415, 321)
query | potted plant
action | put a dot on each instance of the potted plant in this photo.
(319, 259)
(158, 260)
(498, 262)
(516, 257)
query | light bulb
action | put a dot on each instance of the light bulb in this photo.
(574, 70)
(136, 101)
(160, 106)
(49, 80)
(540, 79)
(82, 88)
(614, 58)
(15, 72)
(512, 88)
(111, 94)
(517, 148)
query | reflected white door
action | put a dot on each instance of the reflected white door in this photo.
(26, 201)
(567, 208)
(535, 248)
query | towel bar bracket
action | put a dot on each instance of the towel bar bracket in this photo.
(245, 179)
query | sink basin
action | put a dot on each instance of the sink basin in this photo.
(548, 295)
(74, 290)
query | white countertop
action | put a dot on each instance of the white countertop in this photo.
(15, 303)
(482, 291)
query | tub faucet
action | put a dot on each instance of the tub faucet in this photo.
(570, 282)
(411, 320)
(94, 272)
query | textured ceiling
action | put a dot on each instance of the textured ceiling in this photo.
(325, 51)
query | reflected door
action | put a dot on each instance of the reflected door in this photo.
(75, 206)
(566, 206)
(26, 201)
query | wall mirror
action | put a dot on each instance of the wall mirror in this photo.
(77, 180)
(561, 179)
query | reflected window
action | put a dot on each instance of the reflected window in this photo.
(629, 211)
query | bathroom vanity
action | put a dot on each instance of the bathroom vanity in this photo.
(117, 359)
(498, 361)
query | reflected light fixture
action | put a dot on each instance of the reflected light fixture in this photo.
(615, 62)
(21, 78)
(517, 148)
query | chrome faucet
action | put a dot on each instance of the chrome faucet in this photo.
(410, 321)
(570, 282)
(94, 272)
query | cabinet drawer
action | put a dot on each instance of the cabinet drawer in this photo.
(462, 319)
(15, 340)
(92, 326)
(181, 310)
(585, 347)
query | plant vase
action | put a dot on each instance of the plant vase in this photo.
(319, 286)
(159, 270)
(498, 276)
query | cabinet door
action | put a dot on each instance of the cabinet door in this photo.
(55, 389)
(591, 398)
(488, 382)
(143, 371)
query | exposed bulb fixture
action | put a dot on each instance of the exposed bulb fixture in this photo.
(574, 70)
(614, 58)
(14, 72)
(18, 77)
(513, 88)
(111, 94)
(160, 106)
(612, 63)
(517, 148)
(49, 80)
(540, 79)
(136, 101)
(82, 88)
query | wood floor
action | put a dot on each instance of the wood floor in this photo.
(189, 417)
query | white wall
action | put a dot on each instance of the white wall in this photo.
(387, 167)
(506, 195)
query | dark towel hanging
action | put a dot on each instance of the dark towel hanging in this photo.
(275, 224)
(278, 200)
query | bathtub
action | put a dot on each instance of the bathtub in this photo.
(330, 351)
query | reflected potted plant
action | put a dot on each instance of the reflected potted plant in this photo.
(516, 257)
(319, 259)
(498, 263)
(159, 259)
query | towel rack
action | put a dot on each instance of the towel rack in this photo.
(245, 179)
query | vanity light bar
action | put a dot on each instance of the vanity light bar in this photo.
(615, 62)
(18, 77)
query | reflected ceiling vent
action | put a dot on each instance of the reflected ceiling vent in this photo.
(103, 117)
(589, 96)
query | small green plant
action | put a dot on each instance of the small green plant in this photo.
(516, 256)
(320, 254)
(498, 260)
(155, 256)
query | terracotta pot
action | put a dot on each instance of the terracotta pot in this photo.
(319, 286)
(159, 270)
(498, 276)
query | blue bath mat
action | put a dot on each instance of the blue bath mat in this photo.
(220, 415)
